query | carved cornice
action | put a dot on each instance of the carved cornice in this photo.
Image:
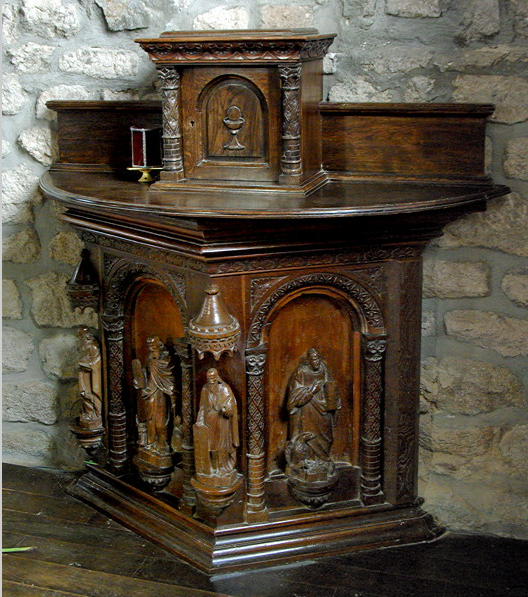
(258, 51)
(327, 258)
(144, 251)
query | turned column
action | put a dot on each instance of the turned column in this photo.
(370, 441)
(113, 326)
(184, 352)
(291, 164)
(172, 146)
(255, 363)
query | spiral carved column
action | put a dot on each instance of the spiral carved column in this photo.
(113, 326)
(291, 164)
(371, 443)
(255, 363)
(172, 145)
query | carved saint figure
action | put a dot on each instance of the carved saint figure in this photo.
(216, 429)
(312, 420)
(156, 386)
(90, 380)
(312, 412)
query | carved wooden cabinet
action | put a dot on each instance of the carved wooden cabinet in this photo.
(260, 305)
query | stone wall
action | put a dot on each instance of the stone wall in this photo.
(474, 438)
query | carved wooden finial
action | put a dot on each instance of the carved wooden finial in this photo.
(214, 330)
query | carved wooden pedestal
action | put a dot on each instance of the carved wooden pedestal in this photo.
(261, 352)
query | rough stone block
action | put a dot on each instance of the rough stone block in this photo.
(418, 89)
(516, 158)
(515, 286)
(30, 401)
(399, 59)
(514, 448)
(50, 18)
(455, 279)
(482, 57)
(17, 347)
(19, 193)
(469, 387)
(487, 329)
(123, 15)
(24, 444)
(10, 23)
(282, 16)
(6, 148)
(100, 63)
(508, 93)
(11, 302)
(222, 18)
(481, 19)
(32, 58)
(61, 92)
(22, 247)
(520, 21)
(60, 356)
(40, 144)
(503, 226)
(413, 8)
(358, 89)
(13, 95)
(66, 247)
(51, 306)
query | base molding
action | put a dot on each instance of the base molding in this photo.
(241, 545)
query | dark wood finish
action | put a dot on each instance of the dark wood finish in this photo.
(243, 279)
(248, 108)
(107, 125)
(79, 552)
(442, 142)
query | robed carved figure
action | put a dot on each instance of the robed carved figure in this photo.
(88, 426)
(312, 420)
(216, 439)
(90, 381)
(156, 393)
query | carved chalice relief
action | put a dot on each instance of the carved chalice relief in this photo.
(155, 385)
(312, 419)
(234, 121)
(88, 427)
(216, 439)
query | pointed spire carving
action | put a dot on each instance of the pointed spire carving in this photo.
(214, 330)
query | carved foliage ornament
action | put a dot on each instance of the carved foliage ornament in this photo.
(254, 51)
(363, 297)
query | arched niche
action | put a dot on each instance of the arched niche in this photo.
(320, 318)
(236, 120)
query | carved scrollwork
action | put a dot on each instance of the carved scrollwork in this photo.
(143, 251)
(260, 286)
(255, 51)
(367, 303)
(324, 258)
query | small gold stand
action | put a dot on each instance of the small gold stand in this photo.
(145, 172)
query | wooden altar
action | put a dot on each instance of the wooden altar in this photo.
(260, 304)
